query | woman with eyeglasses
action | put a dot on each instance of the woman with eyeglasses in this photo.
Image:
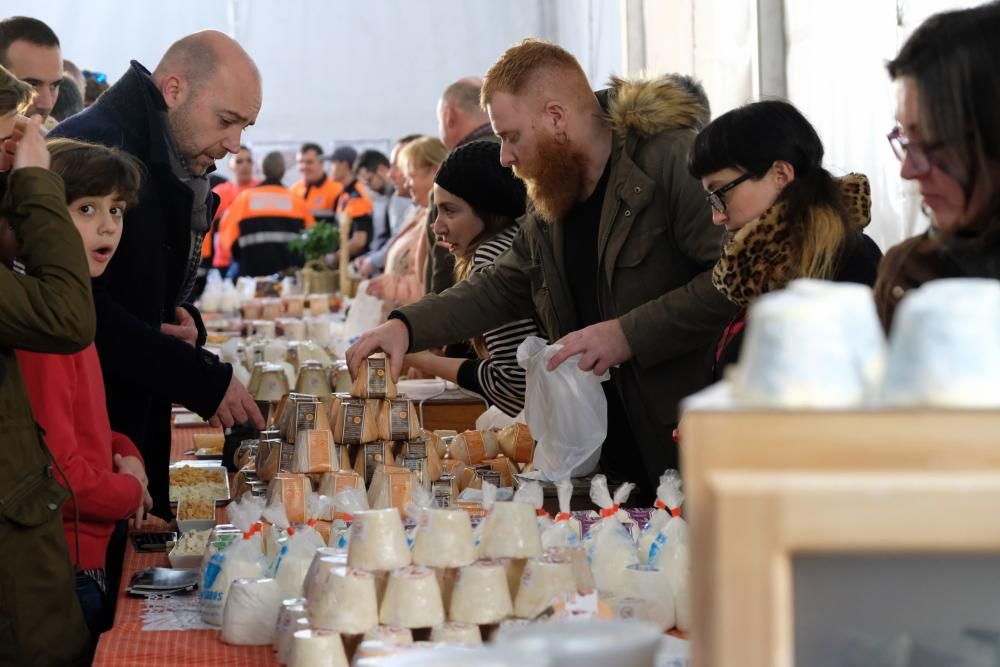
(948, 141)
(787, 217)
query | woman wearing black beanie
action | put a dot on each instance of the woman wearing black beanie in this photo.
(478, 201)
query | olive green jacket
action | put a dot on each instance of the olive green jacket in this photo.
(49, 309)
(656, 247)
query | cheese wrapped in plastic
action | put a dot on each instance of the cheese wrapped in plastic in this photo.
(315, 452)
(291, 490)
(474, 446)
(299, 413)
(516, 442)
(601, 496)
(251, 612)
(397, 420)
(510, 530)
(369, 456)
(391, 486)
(668, 504)
(412, 599)
(238, 559)
(443, 538)
(506, 468)
(294, 558)
(670, 552)
(565, 530)
(609, 545)
(355, 421)
(374, 379)
(531, 493)
(333, 483)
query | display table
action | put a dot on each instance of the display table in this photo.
(128, 644)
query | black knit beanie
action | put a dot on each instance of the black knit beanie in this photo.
(474, 173)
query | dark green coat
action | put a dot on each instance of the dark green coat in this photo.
(47, 310)
(657, 246)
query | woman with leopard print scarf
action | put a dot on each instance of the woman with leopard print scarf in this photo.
(787, 217)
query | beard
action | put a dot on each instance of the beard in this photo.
(181, 124)
(554, 179)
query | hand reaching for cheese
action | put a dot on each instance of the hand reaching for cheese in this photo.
(237, 407)
(602, 345)
(391, 338)
(185, 329)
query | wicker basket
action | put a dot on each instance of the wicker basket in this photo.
(318, 278)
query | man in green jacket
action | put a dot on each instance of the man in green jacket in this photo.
(48, 308)
(613, 257)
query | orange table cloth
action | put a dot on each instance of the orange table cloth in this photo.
(128, 644)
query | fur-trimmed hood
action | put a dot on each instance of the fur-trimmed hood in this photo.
(649, 106)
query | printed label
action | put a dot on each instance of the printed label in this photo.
(354, 420)
(417, 449)
(305, 416)
(399, 489)
(493, 477)
(213, 568)
(286, 457)
(357, 531)
(320, 453)
(656, 547)
(377, 383)
(375, 453)
(399, 420)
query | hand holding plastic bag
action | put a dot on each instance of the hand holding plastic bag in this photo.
(565, 409)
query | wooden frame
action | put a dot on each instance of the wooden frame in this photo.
(761, 486)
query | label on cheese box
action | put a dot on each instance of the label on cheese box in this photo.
(399, 419)
(305, 416)
(286, 457)
(354, 421)
(416, 449)
(378, 373)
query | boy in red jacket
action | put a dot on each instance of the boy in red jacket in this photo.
(102, 469)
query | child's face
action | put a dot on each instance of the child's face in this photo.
(99, 220)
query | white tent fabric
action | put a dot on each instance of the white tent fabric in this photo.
(338, 71)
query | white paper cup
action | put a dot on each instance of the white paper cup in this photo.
(481, 595)
(347, 604)
(378, 541)
(444, 539)
(412, 599)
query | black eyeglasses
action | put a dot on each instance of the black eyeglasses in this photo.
(714, 197)
(99, 77)
(918, 151)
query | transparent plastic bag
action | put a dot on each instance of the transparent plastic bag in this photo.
(668, 504)
(565, 409)
(532, 494)
(347, 502)
(609, 544)
(565, 531)
(242, 559)
(670, 552)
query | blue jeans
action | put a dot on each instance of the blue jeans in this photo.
(94, 603)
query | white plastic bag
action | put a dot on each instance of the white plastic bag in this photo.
(565, 409)
(364, 313)
(347, 502)
(495, 419)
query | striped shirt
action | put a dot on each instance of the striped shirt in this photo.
(499, 378)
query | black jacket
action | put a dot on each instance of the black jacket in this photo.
(144, 370)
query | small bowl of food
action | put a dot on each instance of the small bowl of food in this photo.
(195, 514)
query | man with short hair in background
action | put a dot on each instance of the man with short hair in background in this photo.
(460, 120)
(372, 170)
(317, 189)
(30, 50)
(352, 202)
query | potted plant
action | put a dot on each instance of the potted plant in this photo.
(314, 244)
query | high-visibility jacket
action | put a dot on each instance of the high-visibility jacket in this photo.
(227, 192)
(258, 226)
(355, 203)
(322, 195)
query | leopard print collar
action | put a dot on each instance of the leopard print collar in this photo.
(761, 257)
